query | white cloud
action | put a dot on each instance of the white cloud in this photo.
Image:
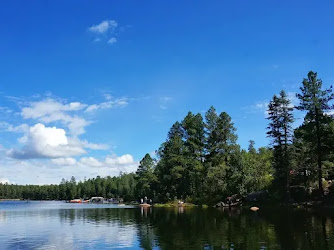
(120, 102)
(6, 127)
(91, 162)
(123, 163)
(23, 128)
(64, 161)
(50, 137)
(103, 27)
(122, 160)
(47, 107)
(105, 31)
(94, 146)
(50, 110)
(37, 171)
(46, 142)
(112, 40)
(4, 181)
(260, 106)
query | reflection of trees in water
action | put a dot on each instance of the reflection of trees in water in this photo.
(198, 228)
(205, 228)
(123, 216)
(302, 229)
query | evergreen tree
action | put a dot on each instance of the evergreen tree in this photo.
(280, 130)
(223, 160)
(315, 101)
(171, 168)
(194, 139)
(145, 177)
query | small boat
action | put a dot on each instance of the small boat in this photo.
(76, 201)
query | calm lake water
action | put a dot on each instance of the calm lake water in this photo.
(58, 225)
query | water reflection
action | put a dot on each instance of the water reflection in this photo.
(177, 228)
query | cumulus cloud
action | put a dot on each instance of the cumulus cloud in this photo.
(103, 27)
(110, 161)
(91, 161)
(111, 164)
(50, 110)
(122, 160)
(46, 142)
(51, 147)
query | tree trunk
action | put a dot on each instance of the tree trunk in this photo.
(319, 151)
(287, 164)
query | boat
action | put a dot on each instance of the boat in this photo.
(76, 201)
(97, 200)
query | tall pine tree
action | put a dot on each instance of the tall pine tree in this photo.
(315, 101)
(280, 130)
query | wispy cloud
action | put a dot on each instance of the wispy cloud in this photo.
(105, 31)
(112, 40)
(103, 27)
(164, 101)
(258, 107)
(120, 102)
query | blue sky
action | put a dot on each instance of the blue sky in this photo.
(88, 88)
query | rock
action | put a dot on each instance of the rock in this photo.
(254, 209)
(259, 196)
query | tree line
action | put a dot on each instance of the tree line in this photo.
(122, 186)
(201, 161)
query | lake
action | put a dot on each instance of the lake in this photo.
(58, 225)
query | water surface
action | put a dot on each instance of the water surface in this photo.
(58, 225)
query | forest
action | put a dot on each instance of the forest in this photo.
(202, 163)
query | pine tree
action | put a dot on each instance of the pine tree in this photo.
(145, 177)
(315, 101)
(194, 140)
(280, 130)
(223, 173)
(171, 168)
